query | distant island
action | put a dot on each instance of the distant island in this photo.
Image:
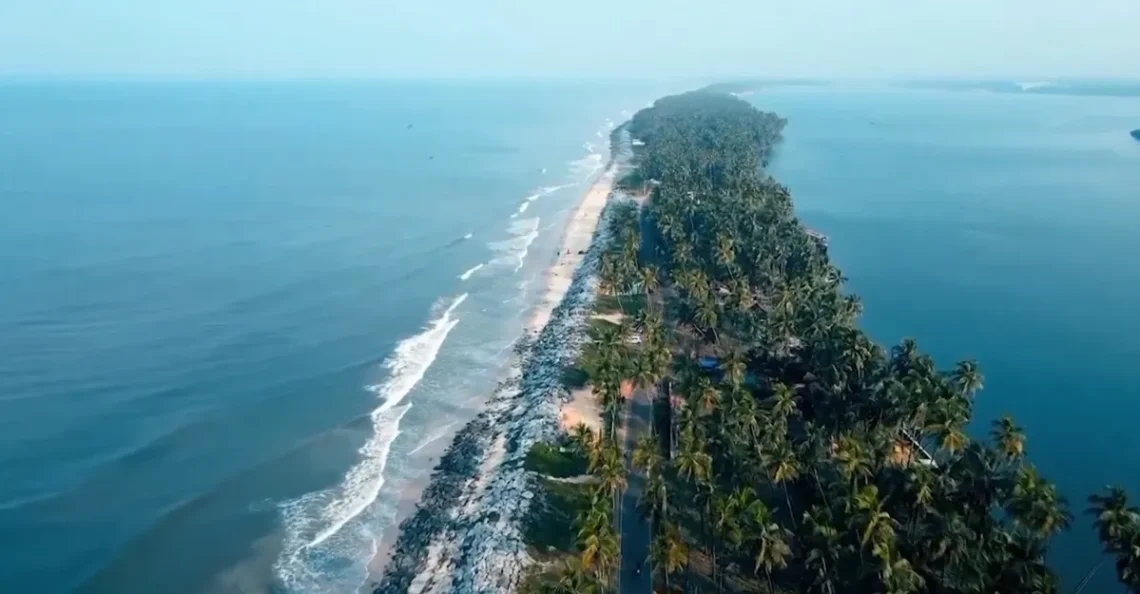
(1136, 134)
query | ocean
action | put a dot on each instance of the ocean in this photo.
(1000, 227)
(239, 320)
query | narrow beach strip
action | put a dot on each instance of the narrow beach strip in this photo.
(465, 534)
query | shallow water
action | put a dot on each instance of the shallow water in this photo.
(998, 227)
(232, 311)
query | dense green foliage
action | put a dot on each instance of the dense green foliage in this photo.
(810, 459)
(555, 460)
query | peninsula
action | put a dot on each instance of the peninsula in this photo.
(753, 438)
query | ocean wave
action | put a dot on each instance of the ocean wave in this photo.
(523, 207)
(545, 190)
(317, 547)
(515, 250)
(587, 166)
(468, 236)
(470, 271)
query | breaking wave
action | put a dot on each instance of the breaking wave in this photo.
(470, 271)
(318, 550)
(515, 250)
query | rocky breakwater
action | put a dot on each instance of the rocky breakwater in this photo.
(466, 536)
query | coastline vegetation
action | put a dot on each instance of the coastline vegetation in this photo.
(791, 453)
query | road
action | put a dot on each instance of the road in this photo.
(636, 533)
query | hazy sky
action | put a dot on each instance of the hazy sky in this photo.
(349, 38)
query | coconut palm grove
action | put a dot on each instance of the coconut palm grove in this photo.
(787, 452)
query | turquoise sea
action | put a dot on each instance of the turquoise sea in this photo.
(1000, 227)
(237, 319)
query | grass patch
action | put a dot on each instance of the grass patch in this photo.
(629, 304)
(560, 460)
(551, 524)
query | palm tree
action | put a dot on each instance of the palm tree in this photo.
(650, 282)
(669, 551)
(1115, 520)
(708, 395)
(1035, 504)
(878, 527)
(823, 550)
(583, 437)
(726, 252)
(854, 462)
(735, 366)
(1009, 437)
(968, 377)
(784, 468)
(600, 553)
(783, 401)
(692, 463)
(770, 541)
(574, 578)
(952, 438)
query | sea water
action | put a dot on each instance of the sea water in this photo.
(1000, 227)
(230, 313)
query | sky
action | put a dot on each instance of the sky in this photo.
(579, 38)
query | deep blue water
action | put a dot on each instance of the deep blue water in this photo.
(998, 227)
(231, 315)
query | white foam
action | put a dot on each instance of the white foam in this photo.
(468, 236)
(515, 250)
(523, 207)
(586, 166)
(314, 522)
(470, 271)
(545, 190)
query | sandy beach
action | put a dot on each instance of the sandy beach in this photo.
(576, 240)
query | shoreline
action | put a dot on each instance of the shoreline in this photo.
(465, 531)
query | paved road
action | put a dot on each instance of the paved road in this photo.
(636, 535)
